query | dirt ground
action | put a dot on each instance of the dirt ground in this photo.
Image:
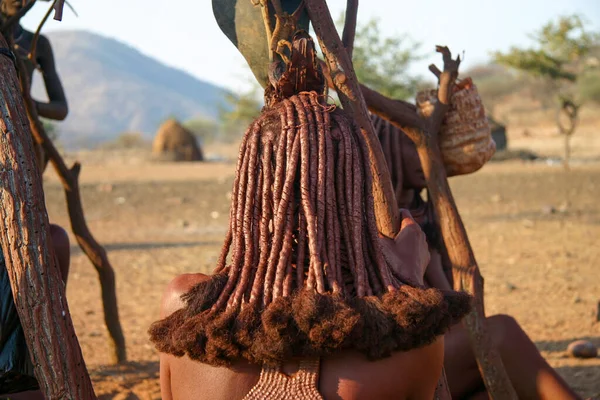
(534, 228)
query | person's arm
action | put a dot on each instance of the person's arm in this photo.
(165, 378)
(57, 107)
(408, 253)
(171, 302)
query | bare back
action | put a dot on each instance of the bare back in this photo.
(347, 376)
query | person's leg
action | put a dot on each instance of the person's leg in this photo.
(62, 248)
(460, 366)
(530, 374)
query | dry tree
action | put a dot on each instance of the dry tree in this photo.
(45, 152)
(306, 276)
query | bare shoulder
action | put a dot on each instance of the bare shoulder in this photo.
(409, 374)
(43, 44)
(419, 368)
(426, 367)
(180, 285)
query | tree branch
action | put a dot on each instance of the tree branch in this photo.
(342, 71)
(400, 113)
(466, 274)
(446, 81)
(36, 36)
(350, 26)
(85, 239)
(37, 287)
(59, 5)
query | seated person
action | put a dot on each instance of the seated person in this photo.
(530, 374)
(345, 375)
(307, 300)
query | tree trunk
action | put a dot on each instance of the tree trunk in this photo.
(571, 111)
(567, 151)
(69, 178)
(38, 290)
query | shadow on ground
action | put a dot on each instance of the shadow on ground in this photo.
(127, 381)
(561, 345)
(584, 379)
(587, 380)
(75, 249)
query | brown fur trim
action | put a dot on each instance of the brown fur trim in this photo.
(307, 324)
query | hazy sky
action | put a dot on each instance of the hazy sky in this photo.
(184, 34)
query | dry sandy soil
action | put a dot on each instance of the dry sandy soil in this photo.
(534, 228)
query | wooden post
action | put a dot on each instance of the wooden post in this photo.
(465, 271)
(38, 290)
(466, 274)
(69, 178)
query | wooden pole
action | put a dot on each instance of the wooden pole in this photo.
(38, 290)
(465, 271)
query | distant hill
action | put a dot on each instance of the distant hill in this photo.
(112, 87)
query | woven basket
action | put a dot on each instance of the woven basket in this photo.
(465, 136)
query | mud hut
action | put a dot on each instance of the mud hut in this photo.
(498, 134)
(173, 142)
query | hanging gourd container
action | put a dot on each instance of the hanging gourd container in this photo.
(465, 135)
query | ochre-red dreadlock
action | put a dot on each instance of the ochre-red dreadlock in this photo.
(307, 276)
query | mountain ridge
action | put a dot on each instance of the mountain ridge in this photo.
(113, 88)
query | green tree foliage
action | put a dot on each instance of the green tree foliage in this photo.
(205, 129)
(589, 86)
(560, 59)
(496, 82)
(51, 129)
(382, 63)
(560, 56)
(241, 111)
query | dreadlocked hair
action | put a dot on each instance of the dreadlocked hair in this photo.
(392, 140)
(306, 276)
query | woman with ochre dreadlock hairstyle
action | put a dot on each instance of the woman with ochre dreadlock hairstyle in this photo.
(304, 281)
(531, 376)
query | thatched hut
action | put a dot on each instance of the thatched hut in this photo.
(173, 142)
